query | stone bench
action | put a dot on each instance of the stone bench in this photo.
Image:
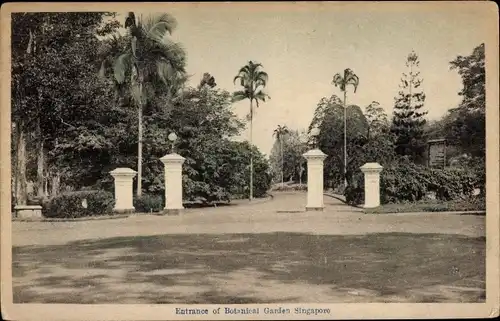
(28, 211)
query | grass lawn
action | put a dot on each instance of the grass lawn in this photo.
(476, 204)
(253, 268)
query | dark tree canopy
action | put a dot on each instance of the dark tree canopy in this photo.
(466, 124)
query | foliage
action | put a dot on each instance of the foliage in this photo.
(409, 118)
(368, 138)
(467, 123)
(53, 83)
(221, 171)
(148, 203)
(354, 195)
(253, 80)
(330, 141)
(464, 127)
(292, 165)
(215, 166)
(380, 144)
(405, 181)
(145, 57)
(289, 187)
(262, 175)
(79, 204)
(472, 70)
(349, 78)
(207, 80)
(149, 63)
(472, 203)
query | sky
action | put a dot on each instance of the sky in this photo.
(301, 46)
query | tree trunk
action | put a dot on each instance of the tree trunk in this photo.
(46, 187)
(251, 154)
(56, 179)
(21, 184)
(345, 138)
(281, 147)
(139, 146)
(40, 160)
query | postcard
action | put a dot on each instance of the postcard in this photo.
(249, 160)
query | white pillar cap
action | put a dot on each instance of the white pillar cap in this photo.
(371, 168)
(314, 154)
(172, 158)
(123, 171)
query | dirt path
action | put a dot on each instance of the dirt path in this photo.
(265, 252)
(280, 214)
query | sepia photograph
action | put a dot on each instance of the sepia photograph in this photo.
(256, 160)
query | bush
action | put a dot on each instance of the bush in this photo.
(289, 187)
(149, 203)
(79, 204)
(451, 183)
(404, 181)
(473, 203)
(354, 195)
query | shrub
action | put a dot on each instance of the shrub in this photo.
(289, 187)
(71, 204)
(148, 203)
(473, 203)
(354, 195)
(451, 183)
(404, 181)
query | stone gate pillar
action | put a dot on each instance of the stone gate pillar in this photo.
(173, 183)
(124, 201)
(315, 159)
(372, 184)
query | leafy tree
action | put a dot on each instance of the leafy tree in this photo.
(349, 78)
(368, 137)
(293, 145)
(377, 119)
(330, 139)
(409, 117)
(279, 132)
(466, 124)
(207, 80)
(148, 59)
(214, 169)
(48, 50)
(253, 80)
(324, 105)
(380, 141)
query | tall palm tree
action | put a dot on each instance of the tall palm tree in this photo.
(279, 132)
(149, 58)
(342, 82)
(253, 80)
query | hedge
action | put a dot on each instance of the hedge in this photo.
(79, 204)
(289, 187)
(407, 182)
(148, 203)
(473, 203)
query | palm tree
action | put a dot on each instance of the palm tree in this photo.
(207, 80)
(253, 80)
(349, 78)
(279, 132)
(148, 59)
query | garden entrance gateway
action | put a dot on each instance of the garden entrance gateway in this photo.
(173, 184)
